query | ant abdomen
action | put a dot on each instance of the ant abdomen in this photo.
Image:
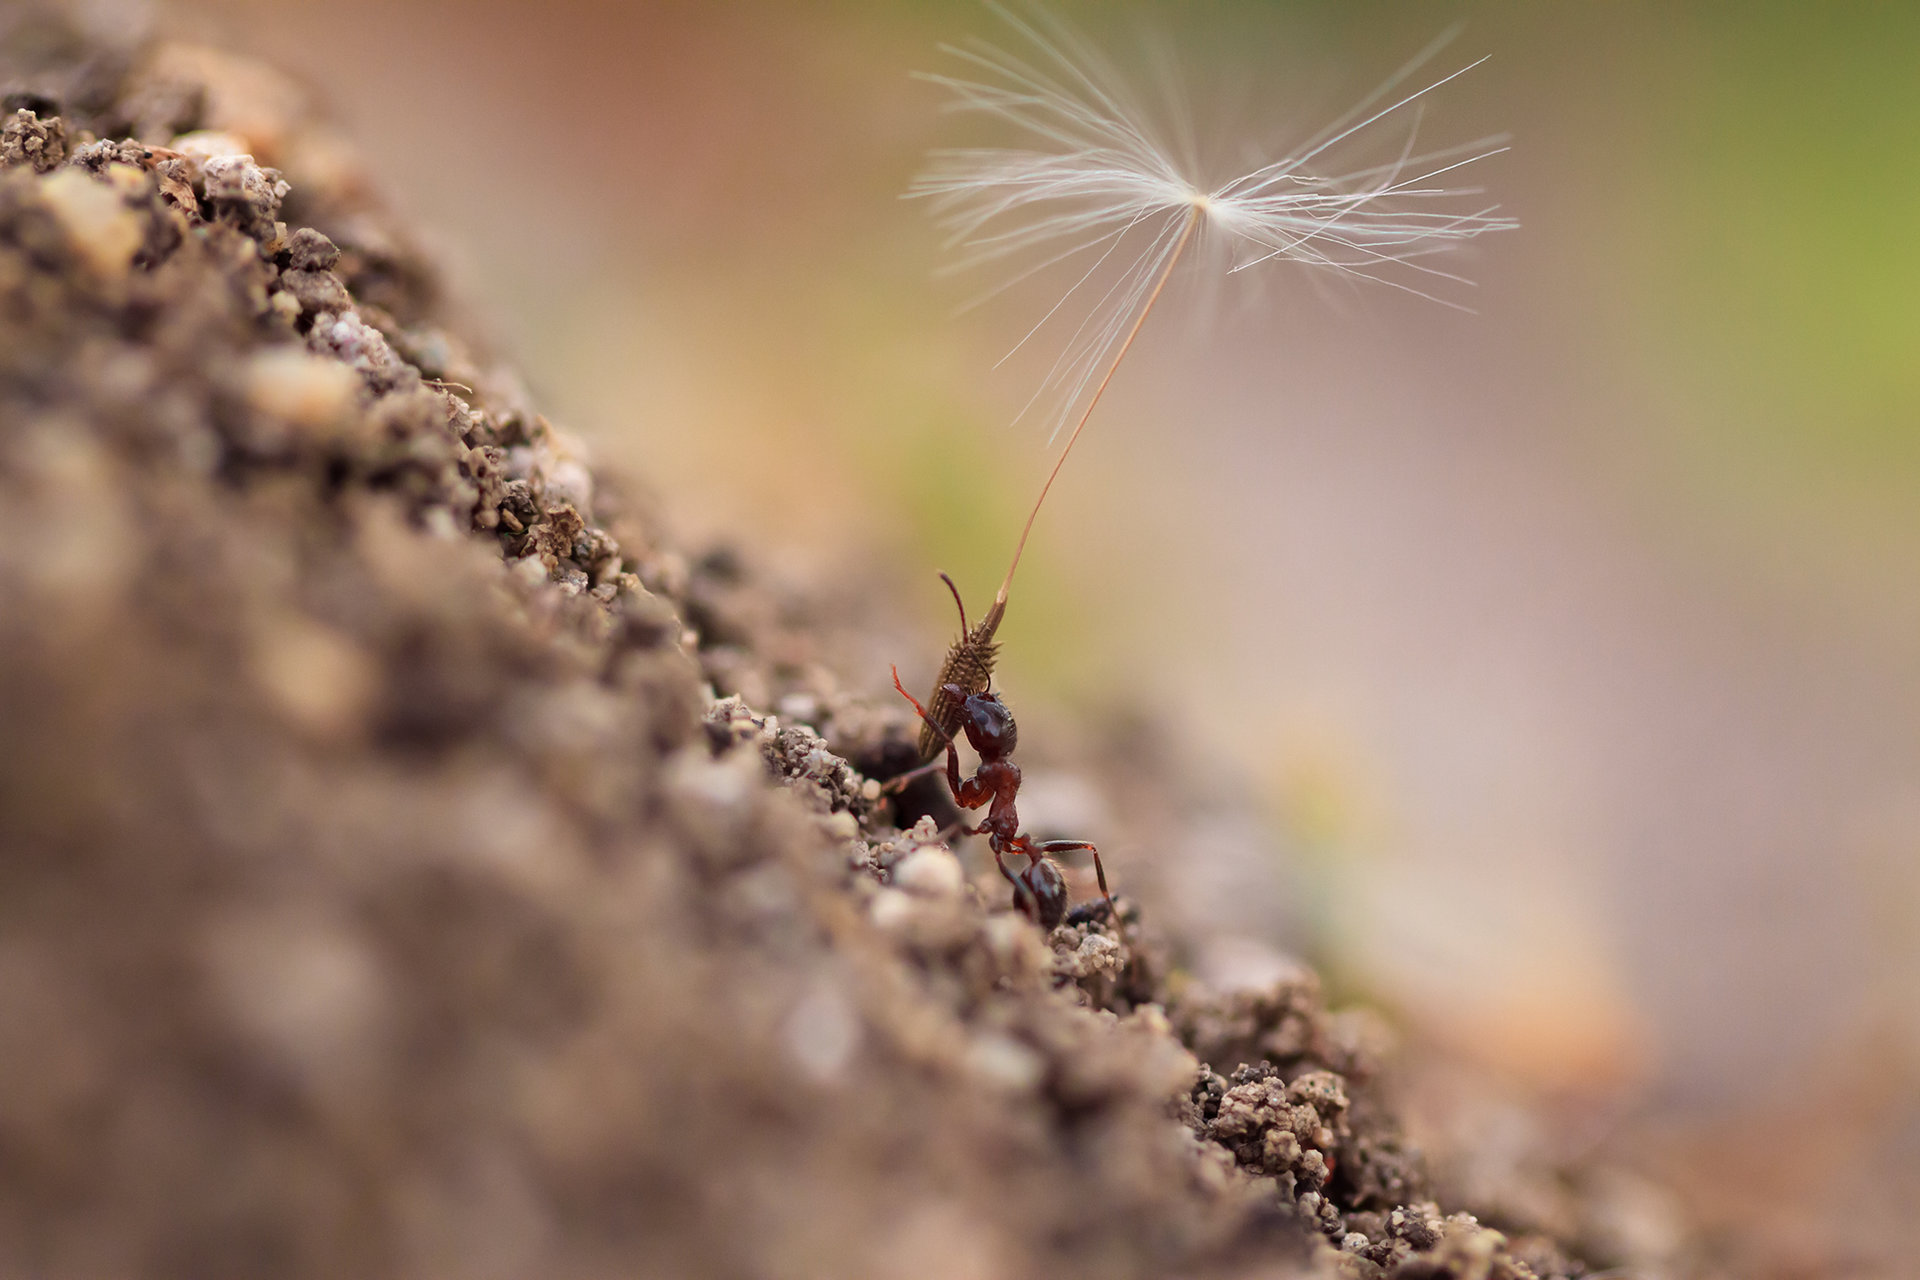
(1040, 892)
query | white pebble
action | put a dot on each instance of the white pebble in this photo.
(891, 910)
(822, 1032)
(570, 482)
(1005, 1062)
(930, 872)
(299, 388)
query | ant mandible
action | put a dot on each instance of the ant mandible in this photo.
(1039, 889)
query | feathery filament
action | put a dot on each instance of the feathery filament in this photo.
(1097, 186)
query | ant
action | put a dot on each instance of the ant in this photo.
(1039, 889)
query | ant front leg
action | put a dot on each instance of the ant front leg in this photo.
(953, 755)
(1099, 870)
(968, 794)
(901, 781)
(902, 690)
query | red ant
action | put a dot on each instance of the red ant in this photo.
(1039, 890)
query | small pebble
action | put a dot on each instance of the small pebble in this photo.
(568, 481)
(320, 679)
(100, 228)
(299, 388)
(308, 250)
(891, 910)
(800, 708)
(822, 1032)
(203, 145)
(440, 523)
(931, 872)
(1005, 1062)
(530, 568)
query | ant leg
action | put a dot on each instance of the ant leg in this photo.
(901, 781)
(953, 756)
(916, 705)
(1099, 869)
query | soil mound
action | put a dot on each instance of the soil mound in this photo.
(386, 891)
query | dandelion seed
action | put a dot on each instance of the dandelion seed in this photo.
(1097, 188)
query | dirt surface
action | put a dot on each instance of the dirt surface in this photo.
(403, 870)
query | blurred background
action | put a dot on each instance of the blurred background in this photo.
(1571, 646)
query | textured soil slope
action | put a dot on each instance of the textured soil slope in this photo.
(386, 891)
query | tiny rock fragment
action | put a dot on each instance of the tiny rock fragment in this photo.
(98, 225)
(300, 389)
(930, 872)
(891, 909)
(203, 145)
(26, 139)
(822, 1031)
(316, 291)
(239, 188)
(1005, 1063)
(714, 801)
(308, 250)
(317, 677)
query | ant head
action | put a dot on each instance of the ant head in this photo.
(989, 725)
(1041, 893)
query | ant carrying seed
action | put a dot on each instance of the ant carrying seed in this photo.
(1039, 890)
(1096, 180)
(963, 700)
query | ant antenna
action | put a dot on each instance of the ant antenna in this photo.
(1000, 597)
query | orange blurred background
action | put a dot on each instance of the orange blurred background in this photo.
(1571, 645)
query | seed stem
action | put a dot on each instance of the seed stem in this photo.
(1186, 234)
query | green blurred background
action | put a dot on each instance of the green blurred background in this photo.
(1572, 646)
